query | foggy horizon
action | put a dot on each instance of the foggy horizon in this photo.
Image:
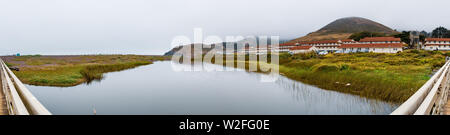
(78, 27)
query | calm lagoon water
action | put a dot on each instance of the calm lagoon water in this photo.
(158, 89)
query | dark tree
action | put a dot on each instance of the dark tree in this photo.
(404, 36)
(440, 32)
(422, 38)
(424, 33)
(361, 35)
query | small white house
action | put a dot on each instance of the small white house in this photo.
(302, 49)
(436, 44)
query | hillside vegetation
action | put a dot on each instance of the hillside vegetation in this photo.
(344, 27)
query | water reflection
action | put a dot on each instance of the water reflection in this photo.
(157, 89)
(319, 101)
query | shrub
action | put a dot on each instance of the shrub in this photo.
(447, 54)
(305, 56)
(438, 64)
(345, 67)
(326, 67)
(301, 64)
(8, 64)
(415, 51)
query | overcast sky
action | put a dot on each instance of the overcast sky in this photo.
(148, 26)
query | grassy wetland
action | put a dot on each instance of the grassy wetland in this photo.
(65, 71)
(388, 77)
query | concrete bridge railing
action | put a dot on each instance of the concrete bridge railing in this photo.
(431, 98)
(19, 100)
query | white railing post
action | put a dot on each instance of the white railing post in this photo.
(410, 106)
(15, 104)
(21, 96)
(428, 104)
(431, 97)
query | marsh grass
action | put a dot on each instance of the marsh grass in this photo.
(378, 84)
(62, 76)
(388, 77)
(9, 64)
(65, 71)
(95, 72)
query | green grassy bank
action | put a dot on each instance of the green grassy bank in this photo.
(65, 71)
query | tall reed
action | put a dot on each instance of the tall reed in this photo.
(95, 72)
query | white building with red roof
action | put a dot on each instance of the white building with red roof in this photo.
(348, 41)
(302, 49)
(374, 44)
(286, 46)
(437, 44)
(369, 44)
(376, 48)
(256, 49)
(323, 45)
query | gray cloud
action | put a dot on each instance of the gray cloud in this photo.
(147, 27)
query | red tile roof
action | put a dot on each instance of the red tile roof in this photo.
(300, 48)
(394, 45)
(321, 42)
(315, 42)
(288, 44)
(319, 46)
(379, 39)
(437, 39)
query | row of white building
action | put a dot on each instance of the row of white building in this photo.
(369, 44)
